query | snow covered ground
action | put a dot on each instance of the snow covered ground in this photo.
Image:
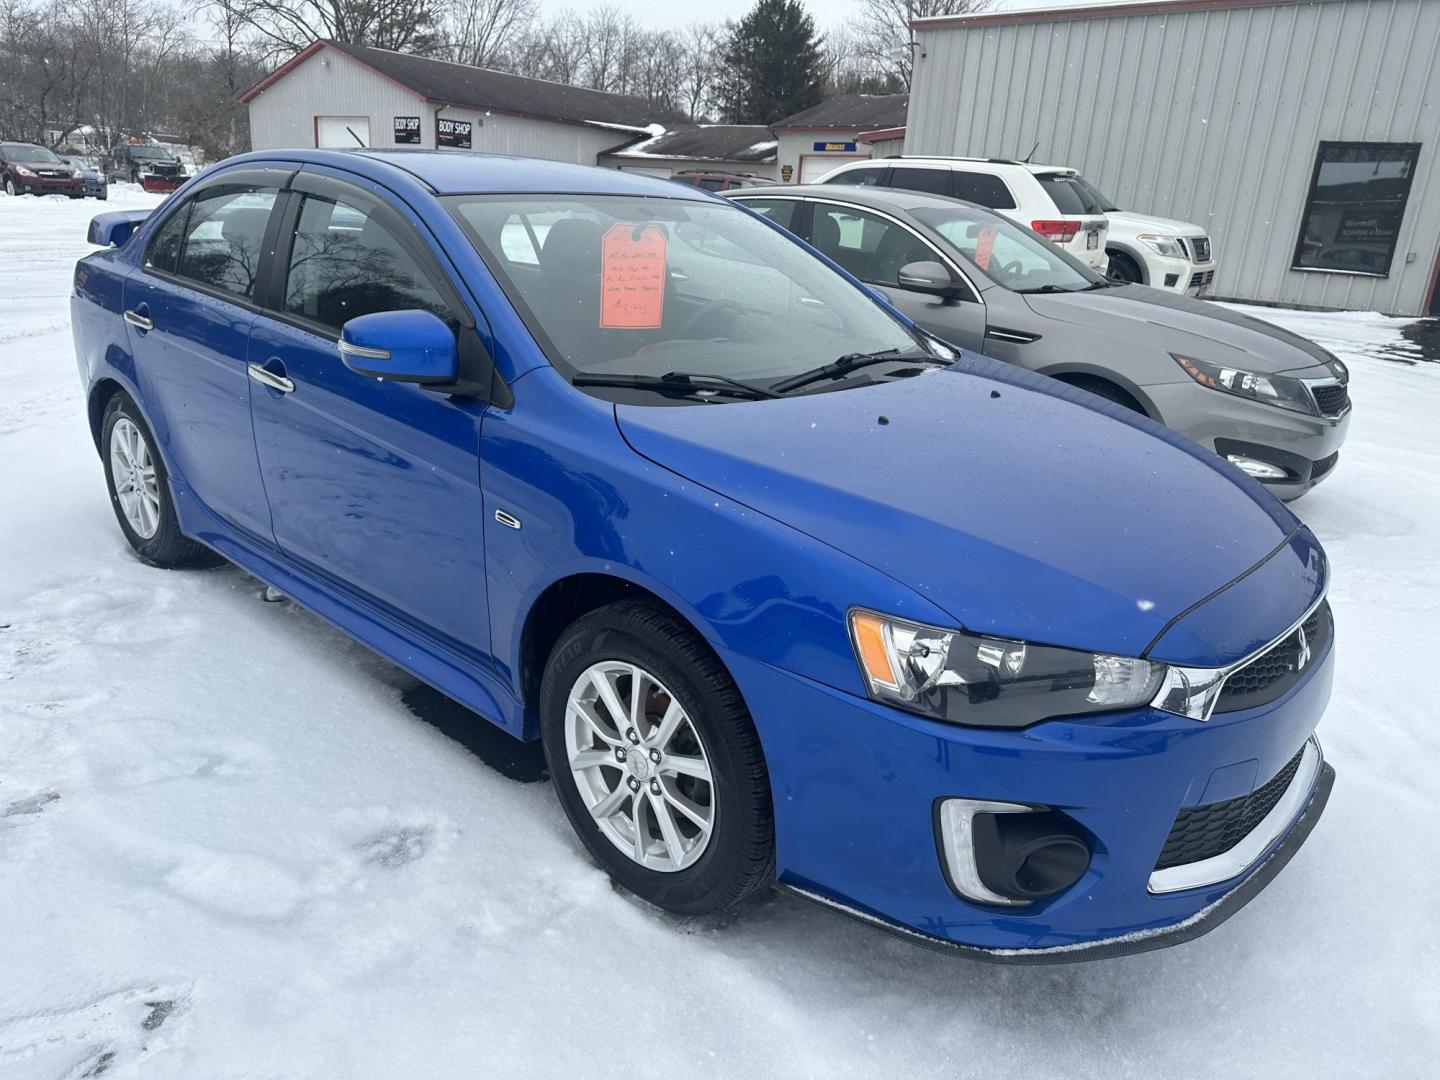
(229, 848)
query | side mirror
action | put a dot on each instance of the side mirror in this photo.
(402, 346)
(926, 277)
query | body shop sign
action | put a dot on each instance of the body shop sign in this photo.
(407, 130)
(454, 134)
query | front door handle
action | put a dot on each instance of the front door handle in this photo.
(270, 379)
(139, 321)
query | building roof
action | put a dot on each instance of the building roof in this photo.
(864, 112)
(748, 143)
(443, 81)
(1114, 10)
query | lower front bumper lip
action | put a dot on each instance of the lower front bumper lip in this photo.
(1140, 941)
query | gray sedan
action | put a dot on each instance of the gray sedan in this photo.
(1273, 403)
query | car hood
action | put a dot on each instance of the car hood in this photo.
(996, 494)
(1146, 223)
(1138, 314)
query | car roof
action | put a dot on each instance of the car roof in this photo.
(448, 172)
(1028, 166)
(878, 198)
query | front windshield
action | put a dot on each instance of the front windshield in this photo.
(31, 153)
(1103, 201)
(629, 286)
(1009, 254)
(150, 153)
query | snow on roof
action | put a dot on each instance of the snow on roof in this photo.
(706, 142)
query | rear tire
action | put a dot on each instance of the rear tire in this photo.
(140, 490)
(1124, 269)
(636, 781)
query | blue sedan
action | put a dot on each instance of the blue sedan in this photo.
(791, 591)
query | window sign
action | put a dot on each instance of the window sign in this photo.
(452, 134)
(407, 130)
(1356, 205)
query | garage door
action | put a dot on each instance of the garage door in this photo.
(814, 166)
(342, 131)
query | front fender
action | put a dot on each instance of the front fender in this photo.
(588, 503)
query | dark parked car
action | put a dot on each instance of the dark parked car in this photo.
(720, 181)
(92, 179)
(152, 167)
(27, 169)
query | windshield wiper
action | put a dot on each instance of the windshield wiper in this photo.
(674, 382)
(851, 362)
(1047, 288)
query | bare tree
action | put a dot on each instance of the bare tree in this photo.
(883, 29)
(45, 73)
(486, 33)
(290, 25)
(700, 45)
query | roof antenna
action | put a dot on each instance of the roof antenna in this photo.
(1032, 151)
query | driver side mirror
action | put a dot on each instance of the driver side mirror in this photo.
(402, 346)
(927, 277)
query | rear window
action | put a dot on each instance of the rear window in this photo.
(1069, 196)
(931, 181)
(859, 177)
(984, 189)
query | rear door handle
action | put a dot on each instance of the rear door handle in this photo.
(140, 322)
(270, 379)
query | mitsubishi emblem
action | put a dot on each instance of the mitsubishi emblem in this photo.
(1303, 657)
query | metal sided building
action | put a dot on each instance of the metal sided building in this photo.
(339, 95)
(1302, 135)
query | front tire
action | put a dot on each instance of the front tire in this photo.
(1124, 269)
(140, 490)
(10, 186)
(656, 761)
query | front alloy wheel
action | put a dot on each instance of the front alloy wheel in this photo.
(639, 765)
(655, 759)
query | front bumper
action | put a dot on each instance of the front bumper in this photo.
(854, 784)
(40, 185)
(1179, 275)
(1307, 447)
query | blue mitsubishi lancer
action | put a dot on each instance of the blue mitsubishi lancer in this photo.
(791, 591)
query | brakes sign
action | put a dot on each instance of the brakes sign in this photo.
(632, 277)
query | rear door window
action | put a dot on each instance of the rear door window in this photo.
(346, 262)
(1068, 196)
(983, 188)
(861, 177)
(780, 211)
(221, 240)
(931, 181)
(869, 246)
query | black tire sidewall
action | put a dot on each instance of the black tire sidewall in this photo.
(743, 821)
(169, 546)
(1133, 276)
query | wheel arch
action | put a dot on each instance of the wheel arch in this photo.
(1084, 376)
(100, 396)
(1135, 255)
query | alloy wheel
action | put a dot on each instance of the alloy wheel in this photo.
(132, 472)
(640, 766)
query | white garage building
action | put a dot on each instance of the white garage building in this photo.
(338, 95)
(815, 140)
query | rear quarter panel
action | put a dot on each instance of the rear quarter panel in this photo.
(102, 346)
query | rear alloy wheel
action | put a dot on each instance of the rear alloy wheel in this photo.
(655, 759)
(140, 491)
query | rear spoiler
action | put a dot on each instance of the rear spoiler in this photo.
(115, 228)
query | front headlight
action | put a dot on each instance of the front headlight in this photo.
(988, 681)
(23, 171)
(1277, 390)
(1169, 246)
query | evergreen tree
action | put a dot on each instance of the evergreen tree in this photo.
(772, 64)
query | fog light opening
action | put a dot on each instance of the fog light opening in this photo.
(1009, 854)
(1260, 470)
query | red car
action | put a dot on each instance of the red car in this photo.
(719, 181)
(26, 169)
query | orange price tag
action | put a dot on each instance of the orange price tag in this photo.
(984, 247)
(632, 277)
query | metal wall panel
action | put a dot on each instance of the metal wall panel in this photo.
(1212, 116)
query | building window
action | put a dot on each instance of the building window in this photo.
(1356, 204)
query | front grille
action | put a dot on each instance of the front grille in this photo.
(1203, 832)
(1202, 278)
(1271, 674)
(52, 174)
(1200, 248)
(1333, 398)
